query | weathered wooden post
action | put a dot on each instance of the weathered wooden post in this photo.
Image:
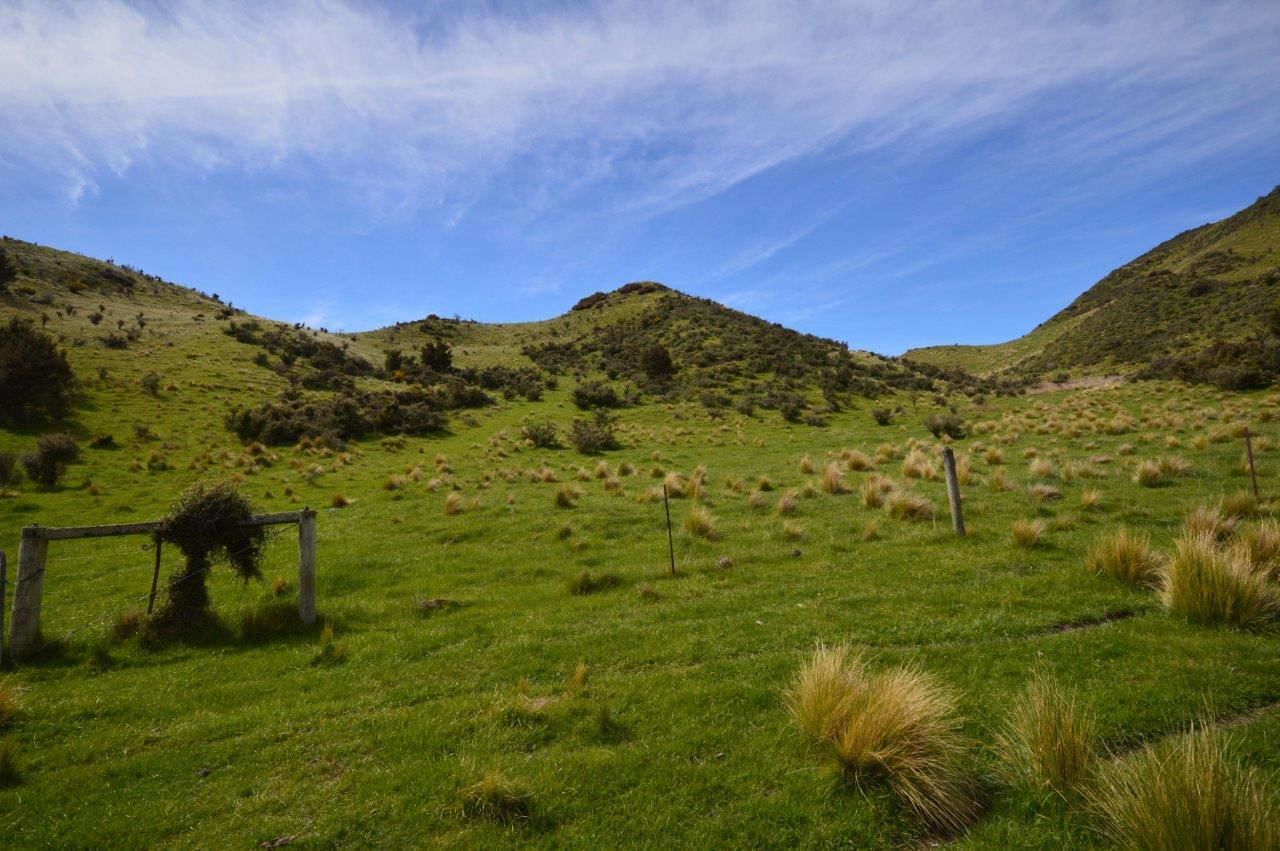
(4, 576)
(155, 577)
(953, 490)
(24, 626)
(1248, 452)
(671, 545)
(307, 566)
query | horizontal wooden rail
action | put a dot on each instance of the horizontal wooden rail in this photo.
(24, 625)
(67, 533)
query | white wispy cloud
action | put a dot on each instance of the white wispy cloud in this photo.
(658, 104)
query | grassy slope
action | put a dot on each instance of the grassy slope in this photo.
(242, 740)
(1212, 283)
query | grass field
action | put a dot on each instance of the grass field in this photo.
(676, 734)
(503, 657)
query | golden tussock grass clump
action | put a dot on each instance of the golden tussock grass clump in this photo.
(453, 503)
(393, 483)
(1028, 533)
(495, 798)
(908, 506)
(993, 457)
(1262, 544)
(887, 452)
(1208, 520)
(999, 482)
(626, 469)
(1125, 449)
(757, 499)
(808, 490)
(613, 484)
(339, 501)
(807, 466)
(788, 503)
(1044, 493)
(1091, 499)
(1174, 467)
(871, 531)
(1042, 468)
(897, 726)
(653, 494)
(1209, 584)
(832, 481)
(1149, 474)
(874, 489)
(602, 470)
(675, 485)
(764, 484)
(734, 485)
(918, 465)
(856, 461)
(567, 496)
(1200, 442)
(700, 522)
(1125, 556)
(1239, 506)
(1049, 741)
(1081, 470)
(792, 531)
(1185, 793)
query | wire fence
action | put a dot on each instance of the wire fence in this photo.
(90, 584)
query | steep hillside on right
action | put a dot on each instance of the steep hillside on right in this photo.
(1203, 306)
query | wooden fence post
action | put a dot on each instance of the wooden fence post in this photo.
(24, 626)
(1248, 451)
(4, 578)
(953, 490)
(307, 566)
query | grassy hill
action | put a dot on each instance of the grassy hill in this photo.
(1200, 306)
(504, 657)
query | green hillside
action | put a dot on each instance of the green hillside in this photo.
(505, 657)
(1201, 306)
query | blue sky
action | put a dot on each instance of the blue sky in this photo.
(889, 174)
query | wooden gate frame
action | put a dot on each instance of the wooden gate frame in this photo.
(24, 625)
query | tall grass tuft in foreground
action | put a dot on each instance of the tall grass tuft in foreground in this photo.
(700, 522)
(1185, 794)
(1209, 584)
(1262, 543)
(495, 798)
(1049, 742)
(1125, 556)
(833, 479)
(897, 726)
(1027, 533)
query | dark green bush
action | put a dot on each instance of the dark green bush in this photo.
(589, 395)
(594, 435)
(948, 424)
(49, 460)
(36, 381)
(542, 435)
(882, 416)
(207, 524)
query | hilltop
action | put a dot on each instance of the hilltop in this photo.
(279, 382)
(1200, 307)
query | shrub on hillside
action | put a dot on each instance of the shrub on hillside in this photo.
(589, 395)
(948, 424)
(207, 524)
(594, 435)
(49, 460)
(542, 435)
(10, 473)
(35, 379)
(346, 416)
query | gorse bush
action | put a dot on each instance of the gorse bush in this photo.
(1185, 793)
(207, 524)
(594, 435)
(543, 435)
(589, 395)
(36, 381)
(946, 424)
(347, 416)
(1049, 742)
(49, 460)
(897, 726)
